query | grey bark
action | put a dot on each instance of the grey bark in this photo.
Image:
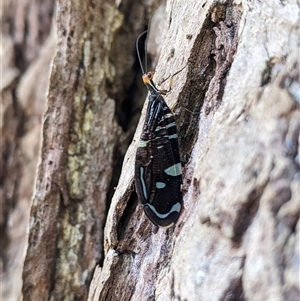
(26, 53)
(82, 144)
(237, 111)
(239, 120)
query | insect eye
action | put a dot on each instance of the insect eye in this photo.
(150, 74)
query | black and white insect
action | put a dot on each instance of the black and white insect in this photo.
(158, 177)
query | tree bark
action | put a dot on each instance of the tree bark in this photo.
(27, 50)
(239, 121)
(82, 145)
(236, 102)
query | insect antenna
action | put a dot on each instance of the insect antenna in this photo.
(138, 51)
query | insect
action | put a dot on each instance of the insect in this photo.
(158, 176)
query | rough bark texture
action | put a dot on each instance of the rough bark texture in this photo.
(237, 110)
(82, 144)
(26, 53)
(239, 121)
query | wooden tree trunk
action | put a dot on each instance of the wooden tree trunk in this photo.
(83, 136)
(27, 49)
(239, 121)
(237, 112)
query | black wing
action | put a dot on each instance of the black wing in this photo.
(158, 176)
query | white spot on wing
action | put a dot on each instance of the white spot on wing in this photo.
(170, 125)
(174, 170)
(143, 143)
(160, 185)
(168, 115)
(158, 128)
(174, 136)
(143, 183)
(175, 208)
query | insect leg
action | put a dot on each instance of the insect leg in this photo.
(164, 92)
